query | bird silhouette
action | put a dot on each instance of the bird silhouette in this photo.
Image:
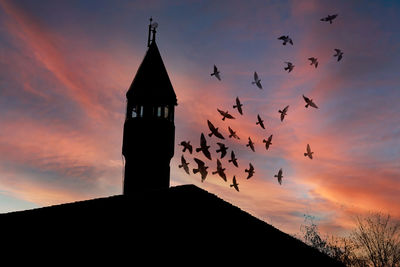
(283, 112)
(216, 73)
(257, 81)
(203, 147)
(289, 66)
(186, 146)
(279, 176)
(329, 18)
(260, 121)
(232, 133)
(314, 61)
(309, 152)
(233, 159)
(202, 168)
(251, 144)
(225, 115)
(286, 39)
(238, 106)
(214, 131)
(268, 142)
(235, 184)
(184, 165)
(309, 102)
(222, 149)
(220, 170)
(250, 171)
(339, 54)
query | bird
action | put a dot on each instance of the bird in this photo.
(279, 176)
(309, 152)
(286, 39)
(283, 112)
(309, 102)
(250, 171)
(339, 54)
(186, 145)
(268, 142)
(235, 184)
(260, 121)
(216, 73)
(257, 81)
(314, 61)
(329, 18)
(220, 170)
(233, 159)
(232, 133)
(225, 115)
(238, 106)
(222, 149)
(202, 168)
(184, 165)
(203, 147)
(289, 66)
(251, 145)
(214, 131)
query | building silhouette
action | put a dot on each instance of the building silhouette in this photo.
(149, 130)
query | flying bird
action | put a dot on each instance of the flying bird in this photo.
(339, 54)
(268, 142)
(203, 147)
(186, 145)
(250, 171)
(225, 115)
(233, 159)
(216, 73)
(220, 170)
(309, 102)
(232, 133)
(257, 81)
(286, 39)
(251, 145)
(289, 66)
(309, 152)
(314, 61)
(202, 168)
(260, 121)
(279, 176)
(238, 106)
(235, 184)
(283, 112)
(184, 165)
(222, 149)
(214, 131)
(329, 18)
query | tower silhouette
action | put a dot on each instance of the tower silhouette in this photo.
(149, 129)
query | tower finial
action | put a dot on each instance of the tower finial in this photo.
(152, 28)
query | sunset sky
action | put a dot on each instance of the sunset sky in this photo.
(65, 67)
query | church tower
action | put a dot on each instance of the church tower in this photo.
(149, 129)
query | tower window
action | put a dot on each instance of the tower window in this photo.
(134, 114)
(158, 112)
(141, 111)
(166, 112)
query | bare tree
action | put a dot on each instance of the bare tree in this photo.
(376, 240)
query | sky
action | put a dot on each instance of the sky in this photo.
(65, 67)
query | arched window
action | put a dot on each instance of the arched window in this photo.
(159, 112)
(134, 113)
(141, 111)
(166, 112)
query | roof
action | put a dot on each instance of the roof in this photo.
(151, 84)
(179, 221)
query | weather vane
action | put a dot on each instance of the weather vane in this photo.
(152, 28)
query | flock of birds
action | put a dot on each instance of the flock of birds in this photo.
(222, 148)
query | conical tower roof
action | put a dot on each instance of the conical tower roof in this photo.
(151, 84)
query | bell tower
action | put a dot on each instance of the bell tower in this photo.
(149, 129)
